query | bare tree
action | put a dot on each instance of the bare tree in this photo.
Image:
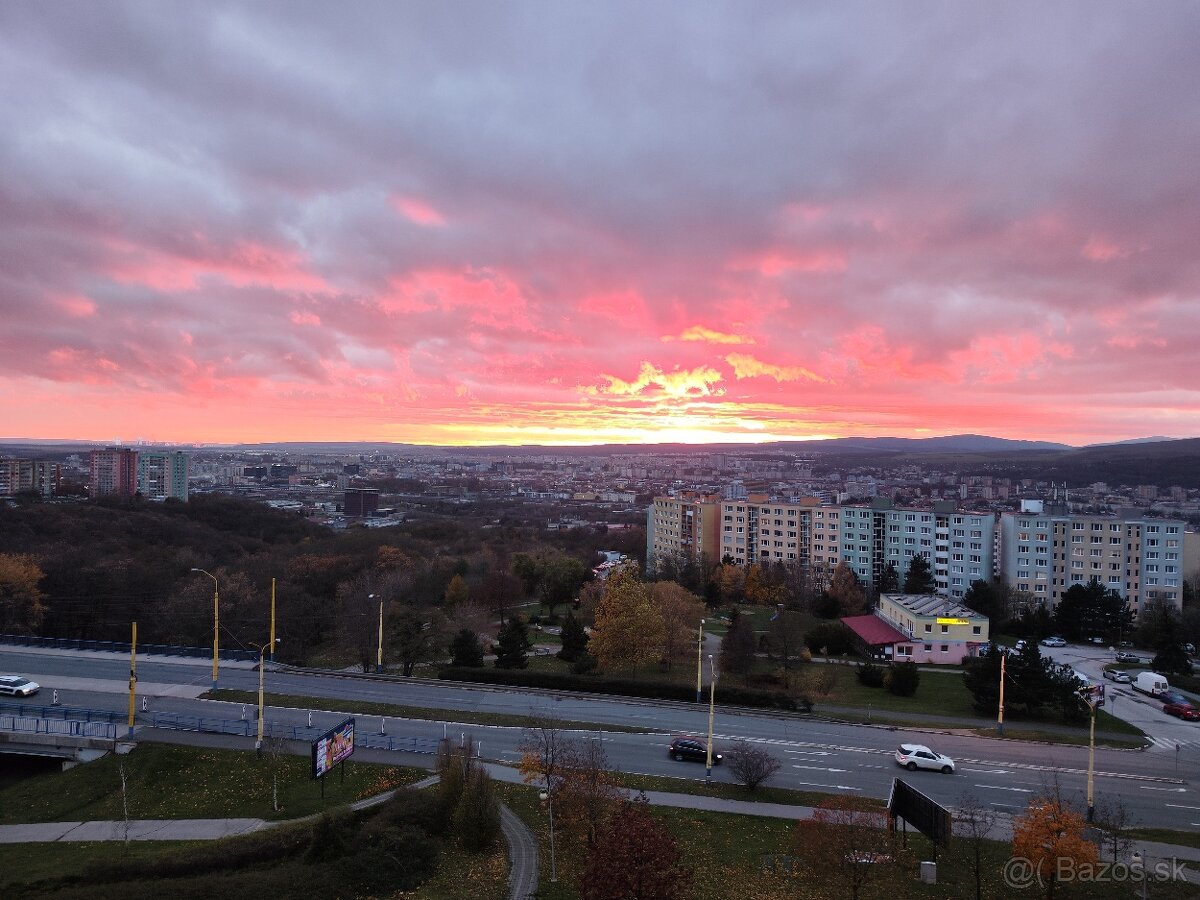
(976, 821)
(751, 765)
(590, 788)
(841, 843)
(1113, 819)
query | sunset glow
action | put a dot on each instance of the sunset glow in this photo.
(575, 224)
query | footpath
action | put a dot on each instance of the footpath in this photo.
(521, 842)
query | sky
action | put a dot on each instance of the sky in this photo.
(575, 223)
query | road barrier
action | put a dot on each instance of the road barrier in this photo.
(123, 647)
(61, 712)
(249, 727)
(35, 725)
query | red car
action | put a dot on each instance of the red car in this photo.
(1182, 710)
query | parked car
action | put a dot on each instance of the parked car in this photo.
(1018, 646)
(1126, 657)
(1098, 641)
(918, 756)
(18, 686)
(692, 749)
(1120, 676)
(1178, 705)
(1053, 642)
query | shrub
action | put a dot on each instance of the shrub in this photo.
(584, 664)
(903, 679)
(832, 638)
(871, 675)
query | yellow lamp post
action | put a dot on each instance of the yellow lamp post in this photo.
(262, 654)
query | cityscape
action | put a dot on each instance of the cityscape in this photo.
(587, 452)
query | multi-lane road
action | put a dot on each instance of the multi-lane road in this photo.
(1155, 785)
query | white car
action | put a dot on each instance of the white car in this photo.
(1120, 676)
(1053, 642)
(918, 756)
(16, 686)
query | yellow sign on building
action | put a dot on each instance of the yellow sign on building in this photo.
(942, 621)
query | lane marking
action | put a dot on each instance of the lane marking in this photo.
(1146, 787)
(836, 787)
(1180, 806)
(997, 787)
(987, 771)
(817, 768)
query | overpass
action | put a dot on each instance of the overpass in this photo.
(73, 735)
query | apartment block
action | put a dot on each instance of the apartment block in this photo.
(113, 471)
(758, 530)
(162, 474)
(18, 475)
(959, 546)
(1045, 553)
(683, 527)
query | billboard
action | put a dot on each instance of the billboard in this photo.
(333, 747)
(929, 817)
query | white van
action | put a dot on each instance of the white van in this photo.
(1151, 683)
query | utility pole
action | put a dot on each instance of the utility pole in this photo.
(272, 620)
(712, 700)
(699, 662)
(1000, 717)
(216, 622)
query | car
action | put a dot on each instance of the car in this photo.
(918, 756)
(1098, 641)
(1053, 642)
(1120, 676)
(1183, 710)
(1189, 649)
(1126, 657)
(692, 749)
(18, 686)
(1018, 646)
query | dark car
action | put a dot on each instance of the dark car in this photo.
(693, 749)
(1183, 710)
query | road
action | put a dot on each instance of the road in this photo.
(817, 755)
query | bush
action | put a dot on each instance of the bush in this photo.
(832, 638)
(871, 675)
(728, 695)
(477, 818)
(391, 859)
(584, 665)
(903, 678)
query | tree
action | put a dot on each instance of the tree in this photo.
(629, 628)
(574, 639)
(843, 844)
(456, 593)
(751, 765)
(1047, 833)
(737, 648)
(412, 637)
(761, 588)
(21, 607)
(986, 599)
(590, 790)
(635, 857)
(681, 612)
(846, 590)
(976, 821)
(1172, 659)
(1112, 820)
(499, 592)
(889, 580)
(981, 675)
(732, 582)
(785, 637)
(561, 578)
(512, 645)
(919, 577)
(830, 639)
(529, 570)
(466, 649)
(476, 818)
(1089, 609)
(902, 679)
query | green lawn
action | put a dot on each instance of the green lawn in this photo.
(176, 782)
(28, 863)
(397, 711)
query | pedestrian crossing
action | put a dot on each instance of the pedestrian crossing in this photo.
(1168, 744)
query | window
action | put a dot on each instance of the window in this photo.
(976, 629)
(945, 648)
(928, 628)
(945, 629)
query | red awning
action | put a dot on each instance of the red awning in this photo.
(874, 631)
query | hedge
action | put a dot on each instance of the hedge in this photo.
(622, 687)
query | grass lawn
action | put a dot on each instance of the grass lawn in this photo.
(734, 856)
(764, 794)
(27, 863)
(176, 782)
(393, 710)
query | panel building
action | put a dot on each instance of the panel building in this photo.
(1045, 553)
(683, 528)
(113, 471)
(757, 530)
(162, 474)
(20, 475)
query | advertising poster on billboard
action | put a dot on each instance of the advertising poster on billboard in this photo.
(331, 748)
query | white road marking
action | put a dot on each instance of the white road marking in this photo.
(996, 787)
(1178, 806)
(1167, 790)
(836, 787)
(810, 752)
(988, 771)
(817, 768)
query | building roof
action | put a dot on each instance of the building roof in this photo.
(933, 605)
(874, 630)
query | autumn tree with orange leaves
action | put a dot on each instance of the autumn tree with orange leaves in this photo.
(1047, 832)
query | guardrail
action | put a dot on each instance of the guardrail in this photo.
(26, 640)
(248, 727)
(66, 728)
(61, 712)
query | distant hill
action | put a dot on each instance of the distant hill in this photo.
(956, 443)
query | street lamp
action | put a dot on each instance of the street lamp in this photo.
(549, 799)
(699, 661)
(1092, 697)
(712, 700)
(216, 621)
(379, 653)
(1000, 715)
(262, 652)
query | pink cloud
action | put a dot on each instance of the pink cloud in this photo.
(418, 211)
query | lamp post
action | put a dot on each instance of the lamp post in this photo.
(379, 652)
(1000, 715)
(216, 622)
(712, 700)
(547, 796)
(1091, 696)
(699, 662)
(262, 653)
